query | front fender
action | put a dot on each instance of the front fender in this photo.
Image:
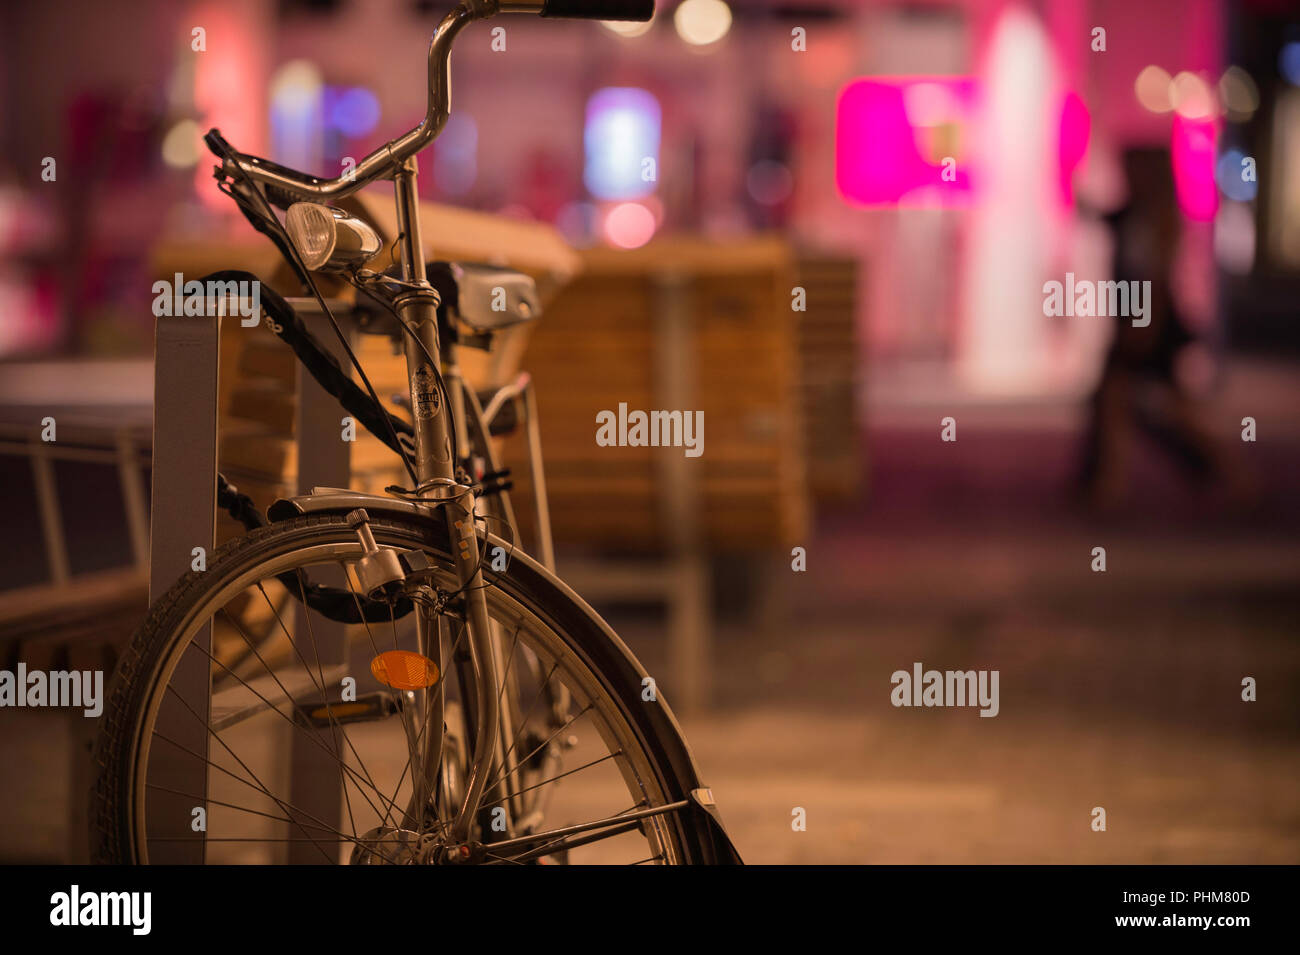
(335, 500)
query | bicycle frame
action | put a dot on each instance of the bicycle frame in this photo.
(435, 458)
(438, 416)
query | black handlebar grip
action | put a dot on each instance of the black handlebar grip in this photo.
(641, 10)
(217, 143)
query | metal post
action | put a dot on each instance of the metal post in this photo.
(47, 500)
(133, 499)
(688, 598)
(186, 372)
(324, 460)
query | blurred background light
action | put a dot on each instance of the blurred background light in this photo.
(929, 104)
(627, 28)
(1288, 62)
(1076, 127)
(769, 182)
(1152, 89)
(886, 147)
(354, 111)
(621, 134)
(180, 147)
(296, 114)
(629, 225)
(1234, 237)
(1239, 93)
(1191, 96)
(1192, 150)
(296, 86)
(455, 155)
(1227, 173)
(701, 22)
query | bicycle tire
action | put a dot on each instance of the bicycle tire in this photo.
(568, 617)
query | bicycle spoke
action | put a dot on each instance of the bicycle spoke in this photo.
(524, 722)
(329, 710)
(292, 723)
(594, 762)
(256, 812)
(304, 730)
(542, 745)
(252, 775)
(320, 688)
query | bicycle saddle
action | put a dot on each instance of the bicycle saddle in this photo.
(484, 297)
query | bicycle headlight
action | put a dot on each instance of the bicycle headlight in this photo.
(328, 239)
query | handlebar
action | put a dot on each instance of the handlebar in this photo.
(284, 185)
(600, 9)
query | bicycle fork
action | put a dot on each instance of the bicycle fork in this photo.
(435, 463)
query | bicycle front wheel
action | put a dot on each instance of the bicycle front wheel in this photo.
(234, 684)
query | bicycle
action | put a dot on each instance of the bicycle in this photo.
(500, 684)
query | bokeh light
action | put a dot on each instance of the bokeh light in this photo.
(629, 225)
(1288, 62)
(354, 111)
(296, 86)
(1152, 89)
(1192, 150)
(701, 22)
(1239, 93)
(769, 182)
(455, 155)
(1191, 96)
(621, 141)
(628, 28)
(180, 147)
(1228, 174)
(1234, 238)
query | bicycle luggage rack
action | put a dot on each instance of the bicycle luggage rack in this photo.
(184, 516)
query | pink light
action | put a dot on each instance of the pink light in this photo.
(228, 80)
(629, 225)
(884, 154)
(1192, 150)
(1076, 125)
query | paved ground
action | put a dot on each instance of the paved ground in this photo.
(1120, 690)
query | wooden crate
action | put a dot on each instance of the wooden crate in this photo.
(598, 345)
(828, 361)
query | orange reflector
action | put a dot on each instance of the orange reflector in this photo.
(404, 670)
